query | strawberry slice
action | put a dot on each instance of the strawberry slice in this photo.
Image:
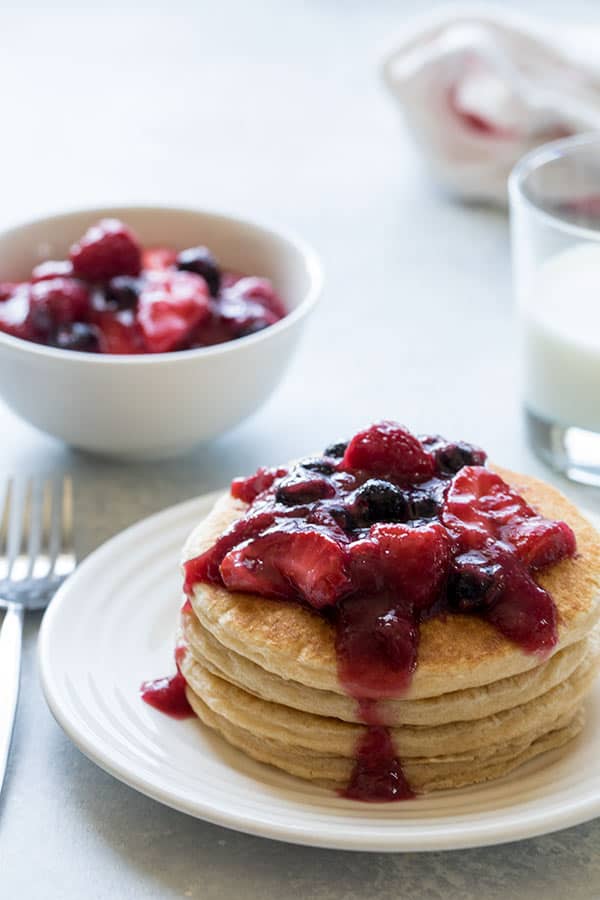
(411, 562)
(481, 506)
(478, 504)
(524, 612)
(118, 332)
(291, 563)
(540, 542)
(158, 258)
(171, 304)
(389, 450)
(260, 290)
(248, 489)
(205, 567)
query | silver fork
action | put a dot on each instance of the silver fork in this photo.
(36, 555)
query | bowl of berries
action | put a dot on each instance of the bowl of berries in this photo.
(142, 332)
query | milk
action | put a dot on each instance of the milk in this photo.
(561, 339)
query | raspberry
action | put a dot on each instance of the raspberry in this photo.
(107, 249)
(388, 450)
(60, 301)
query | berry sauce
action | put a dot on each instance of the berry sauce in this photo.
(377, 776)
(377, 535)
(167, 694)
(114, 296)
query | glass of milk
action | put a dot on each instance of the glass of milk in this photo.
(555, 226)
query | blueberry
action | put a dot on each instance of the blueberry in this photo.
(423, 504)
(77, 336)
(336, 451)
(476, 582)
(201, 261)
(379, 501)
(318, 464)
(122, 292)
(253, 326)
(452, 457)
(342, 517)
(41, 323)
(300, 487)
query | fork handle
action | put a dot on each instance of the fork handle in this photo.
(11, 642)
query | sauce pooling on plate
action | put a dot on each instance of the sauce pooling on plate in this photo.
(168, 694)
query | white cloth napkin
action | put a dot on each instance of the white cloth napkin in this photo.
(479, 88)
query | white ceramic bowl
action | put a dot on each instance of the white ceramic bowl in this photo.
(159, 405)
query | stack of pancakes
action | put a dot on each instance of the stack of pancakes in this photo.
(263, 674)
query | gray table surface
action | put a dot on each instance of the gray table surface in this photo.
(274, 110)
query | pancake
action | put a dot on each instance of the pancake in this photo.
(422, 774)
(466, 705)
(456, 653)
(479, 740)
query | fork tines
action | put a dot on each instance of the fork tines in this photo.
(36, 531)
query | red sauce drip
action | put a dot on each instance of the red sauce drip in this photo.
(377, 776)
(376, 646)
(168, 694)
(368, 711)
(376, 649)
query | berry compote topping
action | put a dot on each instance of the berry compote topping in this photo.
(377, 535)
(114, 296)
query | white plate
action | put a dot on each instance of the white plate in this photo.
(112, 625)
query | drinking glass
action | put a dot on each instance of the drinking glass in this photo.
(555, 229)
